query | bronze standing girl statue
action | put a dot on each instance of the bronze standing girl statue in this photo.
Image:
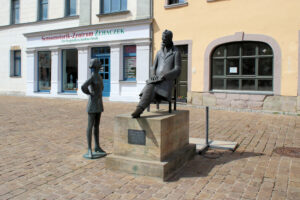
(93, 87)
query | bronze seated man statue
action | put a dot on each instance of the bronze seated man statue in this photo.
(166, 68)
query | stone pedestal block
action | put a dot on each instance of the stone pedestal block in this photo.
(157, 144)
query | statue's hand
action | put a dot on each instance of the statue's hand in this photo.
(161, 77)
(154, 78)
(92, 93)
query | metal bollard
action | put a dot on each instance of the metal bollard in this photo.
(207, 124)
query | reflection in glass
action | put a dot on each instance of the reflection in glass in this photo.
(248, 84)
(248, 66)
(219, 52)
(69, 70)
(15, 11)
(233, 49)
(218, 67)
(233, 84)
(176, 1)
(115, 5)
(249, 49)
(265, 66)
(44, 70)
(218, 83)
(43, 15)
(71, 7)
(265, 85)
(17, 63)
(265, 49)
(130, 62)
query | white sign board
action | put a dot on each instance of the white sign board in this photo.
(233, 70)
(99, 35)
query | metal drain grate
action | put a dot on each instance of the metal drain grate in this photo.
(288, 151)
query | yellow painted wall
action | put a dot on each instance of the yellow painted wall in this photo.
(202, 22)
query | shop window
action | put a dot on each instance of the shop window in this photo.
(44, 71)
(242, 66)
(15, 69)
(15, 11)
(43, 9)
(130, 63)
(70, 7)
(171, 2)
(69, 70)
(113, 6)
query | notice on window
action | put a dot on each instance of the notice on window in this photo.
(233, 70)
(130, 64)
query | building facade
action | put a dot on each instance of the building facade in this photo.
(239, 53)
(47, 46)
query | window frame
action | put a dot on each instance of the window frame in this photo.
(124, 57)
(13, 12)
(68, 8)
(13, 64)
(256, 77)
(103, 12)
(40, 10)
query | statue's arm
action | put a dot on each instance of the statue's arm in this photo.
(85, 86)
(153, 68)
(102, 86)
(175, 72)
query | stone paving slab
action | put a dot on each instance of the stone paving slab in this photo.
(213, 144)
(42, 142)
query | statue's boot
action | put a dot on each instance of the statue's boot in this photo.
(99, 150)
(137, 113)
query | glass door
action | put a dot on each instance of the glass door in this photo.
(44, 71)
(103, 53)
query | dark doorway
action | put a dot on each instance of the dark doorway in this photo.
(182, 84)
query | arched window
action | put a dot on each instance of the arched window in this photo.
(244, 66)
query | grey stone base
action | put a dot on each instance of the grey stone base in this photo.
(163, 170)
(287, 104)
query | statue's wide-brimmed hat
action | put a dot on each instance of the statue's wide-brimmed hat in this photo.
(95, 62)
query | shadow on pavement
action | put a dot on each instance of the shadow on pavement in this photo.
(201, 165)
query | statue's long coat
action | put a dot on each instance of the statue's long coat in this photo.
(168, 65)
(95, 103)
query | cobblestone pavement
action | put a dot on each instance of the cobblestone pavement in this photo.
(42, 142)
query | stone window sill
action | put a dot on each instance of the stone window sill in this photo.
(12, 76)
(176, 5)
(67, 93)
(42, 92)
(243, 92)
(124, 81)
(113, 13)
(65, 17)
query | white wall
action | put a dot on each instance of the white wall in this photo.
(14, 37)
(132, 6)
(56, 9)
(28, 11)
(4, 12)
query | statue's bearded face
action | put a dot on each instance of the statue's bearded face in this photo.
(167, 38)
